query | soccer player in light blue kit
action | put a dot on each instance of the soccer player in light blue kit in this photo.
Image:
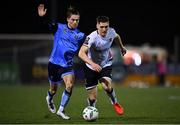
(67, 41)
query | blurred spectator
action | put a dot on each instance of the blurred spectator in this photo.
(161, 70)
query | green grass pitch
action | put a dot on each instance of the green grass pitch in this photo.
(26, 104)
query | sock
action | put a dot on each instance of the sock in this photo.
(112, 96)
(91, 102)
(64, 100)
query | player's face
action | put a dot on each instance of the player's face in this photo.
(73, 21)
(102, 28)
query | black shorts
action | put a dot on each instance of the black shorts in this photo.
(92, 76)
(57, 72)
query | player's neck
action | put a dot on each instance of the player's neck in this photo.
(69, 27)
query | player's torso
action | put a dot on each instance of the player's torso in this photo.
(68, 38)
(66, 44)
(100, 50)
(102, 43)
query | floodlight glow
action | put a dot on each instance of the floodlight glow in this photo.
(137, 59)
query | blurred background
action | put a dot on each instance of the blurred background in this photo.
(149, 29)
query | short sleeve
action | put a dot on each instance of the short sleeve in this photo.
(112, 32)
(89, 41)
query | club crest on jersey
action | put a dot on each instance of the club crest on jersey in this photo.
(65, 30)
(76, 37)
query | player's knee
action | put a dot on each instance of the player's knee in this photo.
(92, 96)
(106, 87)
(53, 88)
(69, 87)
(109, 90)
(53, 92)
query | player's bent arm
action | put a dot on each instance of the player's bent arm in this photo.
(83, 55)
(118, 41)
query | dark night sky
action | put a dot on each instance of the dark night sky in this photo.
(138, 22)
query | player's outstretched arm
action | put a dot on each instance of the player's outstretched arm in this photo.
(41, 10)
(44, 19)
(118, 41)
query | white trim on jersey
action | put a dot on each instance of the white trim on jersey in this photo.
(91, 87)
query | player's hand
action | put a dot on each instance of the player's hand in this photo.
(96, 67)
(41, 10)
(123, 50)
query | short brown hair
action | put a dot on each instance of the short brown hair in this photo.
(102, 19)
(72, 11)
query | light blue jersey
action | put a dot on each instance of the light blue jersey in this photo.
(66, 44)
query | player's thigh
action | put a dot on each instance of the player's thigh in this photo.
(106, 82)
(91, 78)
(53, 87)
(106, 77)
(53, 73)
(68, 76)
(69, 82)
(106, 72)
(69, 79)
(92, 93)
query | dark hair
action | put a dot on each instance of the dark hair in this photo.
(72, 11)
(102, 19)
